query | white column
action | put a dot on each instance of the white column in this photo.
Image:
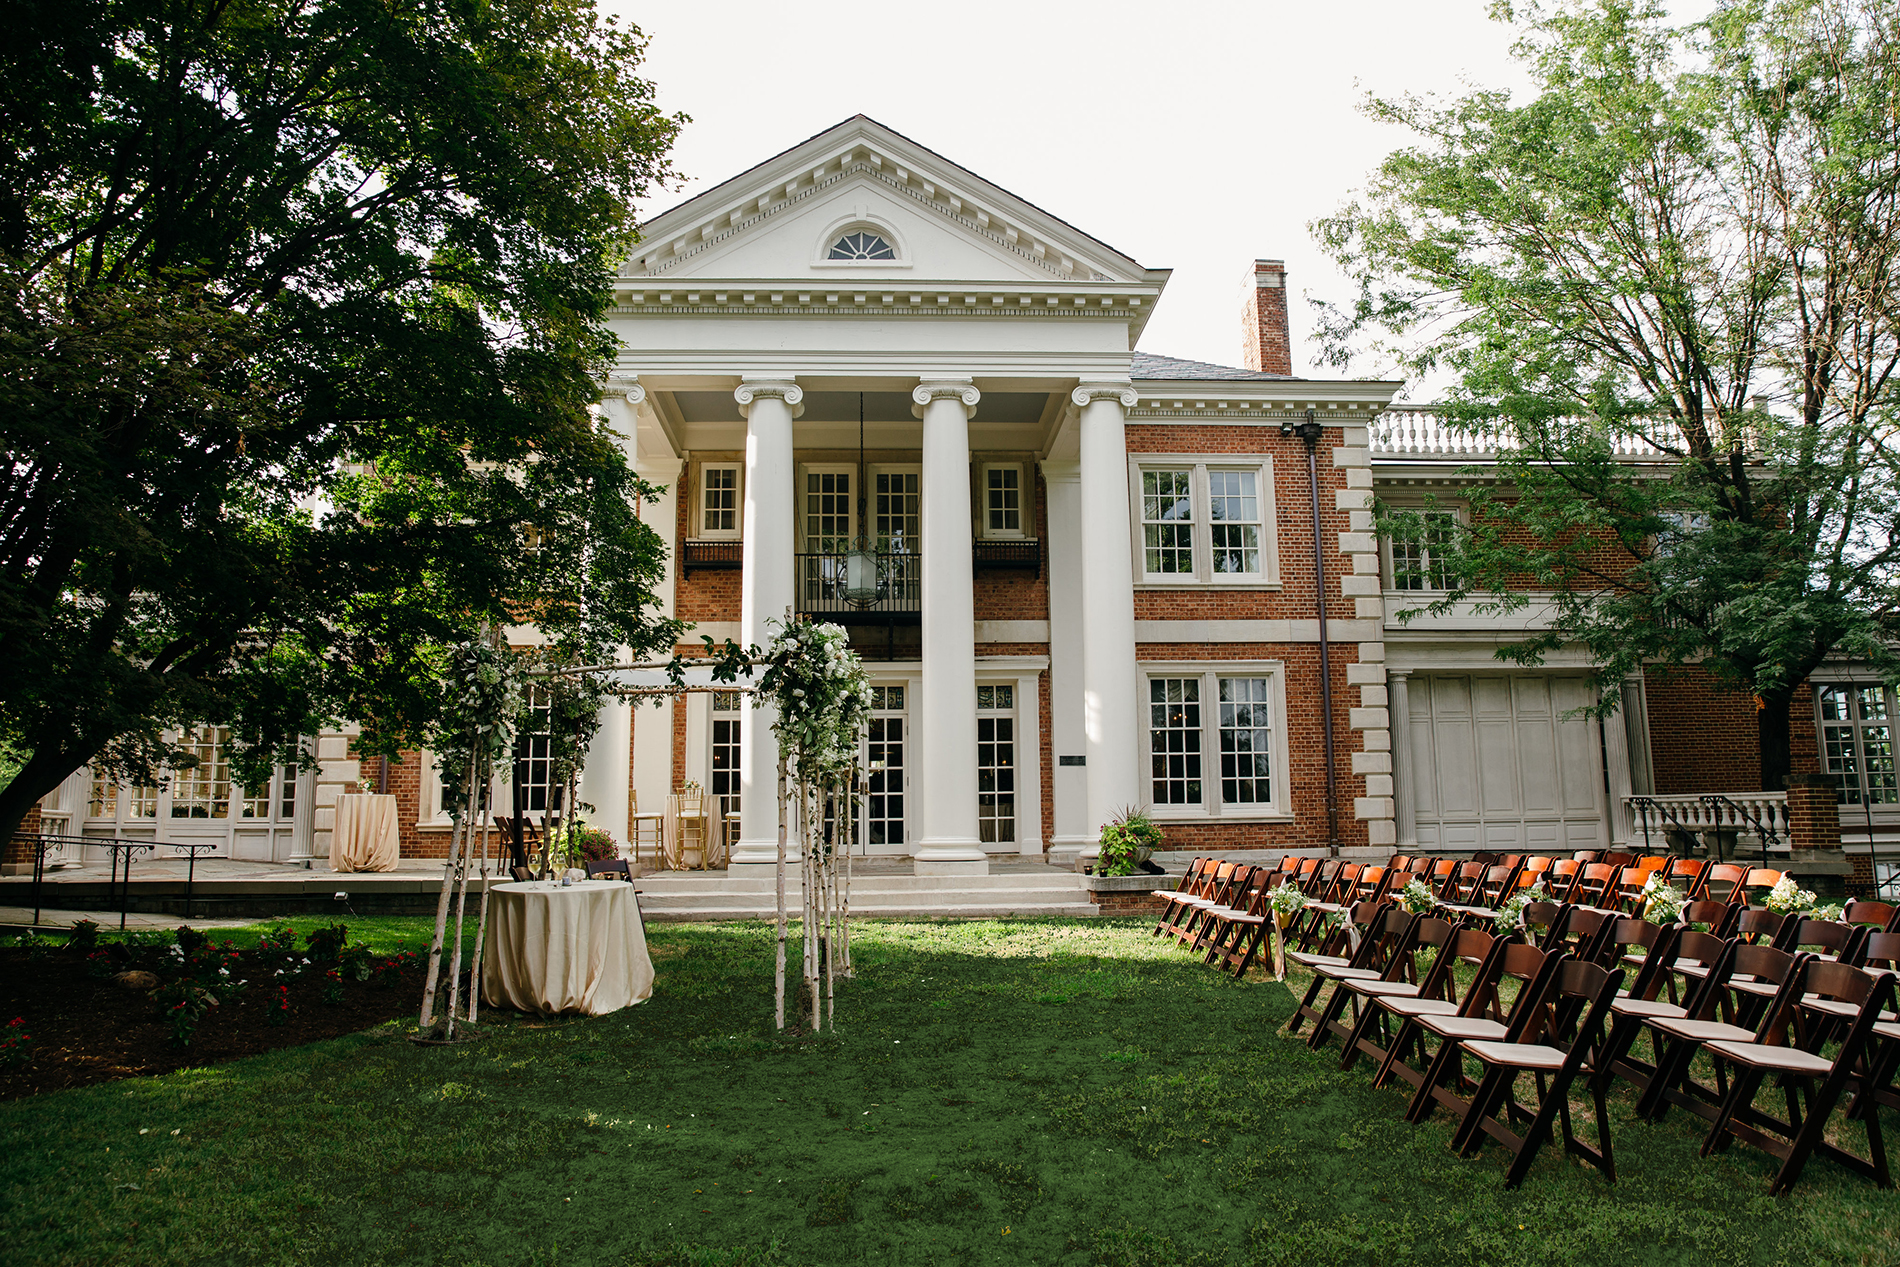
(607, 779)
(1068, 731)
(1111, 713)
(1399, 690)
(766, 589)
(944, 737)
(1616, 757)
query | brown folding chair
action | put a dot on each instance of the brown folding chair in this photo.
(1561, 877)
(1443, 872)
(1587, 990)
(1400, 980)
(1823, 938)
(609, 869)
(1877, 916)
(1685, 1036)
(1378, 950)
(1238, 930)
(1687, 874)
(1437, 995)
(1230, 881)
(1719, 916)
(1491, 891)
(1758, 880)
(1824, 1081)
(1594, 886)
(1708, 957)
(1534, 970)
(521, 875)
(1174, 901)
(1350, 935)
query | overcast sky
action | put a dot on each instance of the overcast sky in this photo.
(1195, 136)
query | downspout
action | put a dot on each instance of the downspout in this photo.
(1310, 432)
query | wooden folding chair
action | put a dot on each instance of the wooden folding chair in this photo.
(1825, 1081)
(1401, 979)
(1526, 1020)
(1719, 917)
(1695, 959)
(1381, 1004)
(1378, 951)
(1443, 872)
(1758, 881)
(1228, 878)
(1541, 923)
(1562, 877)
(1822, 938)
(609, 869)
(1239, 929)
(1493, 887)
(1461, 888)
(1594, 886)
(1175, 902)
(1877, 916)
(1687, 874)
(1722, 881)
(1582, 929)
(1587, 989)
(1685, 1036)
(1349, 936)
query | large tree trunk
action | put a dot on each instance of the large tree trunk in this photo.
(41, 774)
(1773, 731)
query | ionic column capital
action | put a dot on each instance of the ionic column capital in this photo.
(623, 387)
(784, 389)
(1086, 393)
(1061, 470)
(961, 389)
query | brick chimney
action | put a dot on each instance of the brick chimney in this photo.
(1264, 341)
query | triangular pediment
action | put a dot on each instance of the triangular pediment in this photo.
(942, 222)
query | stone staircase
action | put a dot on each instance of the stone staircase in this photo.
(875, 894)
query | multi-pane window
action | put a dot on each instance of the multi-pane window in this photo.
(727, 708)
(884, 806)
(141, 802)
(1174, 740)
(719, 514)
(1003, 501)
(897, 507)
(1167, 523)
(1246, 741)
(1233, 511)
(1238, 730)
(1420, 553)
(828, 523)
(534, 762)
(996, 764)
(1857, 742)
(104, 802)
(280, 795)
(204, 790)
(1204, 524)
(861, 244)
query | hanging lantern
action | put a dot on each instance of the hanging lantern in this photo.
(861, 581)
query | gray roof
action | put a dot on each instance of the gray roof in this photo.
(1148, 365)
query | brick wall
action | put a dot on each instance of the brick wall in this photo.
(1814, 820)
(701, 595)
(1019, 595)
(17, 853)
(1703, 738)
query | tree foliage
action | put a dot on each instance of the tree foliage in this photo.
(301, 316)
(1684, 244)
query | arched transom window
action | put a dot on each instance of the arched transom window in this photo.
(862, 244)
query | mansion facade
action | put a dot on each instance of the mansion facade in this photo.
(877, 390)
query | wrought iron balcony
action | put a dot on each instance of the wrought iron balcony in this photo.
(993, 555)
(712, 556)
(821, 589)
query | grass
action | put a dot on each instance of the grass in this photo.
(998, 1092)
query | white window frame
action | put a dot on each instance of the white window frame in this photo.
(802, 539)
(1203, 576)
(821, 257)
(1025, 519)
(1388, 566)
(1211, 808)
(737, 531)
(429, 808)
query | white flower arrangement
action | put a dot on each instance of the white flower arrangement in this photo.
(1416, 898)
(1662, 901)
(1286, 899)
(1789, 898)
(1834, 911)
(1510, 916)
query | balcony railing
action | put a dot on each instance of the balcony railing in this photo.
(1719, 822)
(712, 556)
(821, 588)
(990, 555)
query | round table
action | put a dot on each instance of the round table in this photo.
(579, 948)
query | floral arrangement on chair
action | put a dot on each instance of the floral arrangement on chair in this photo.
(1285, 902)
(1510, 916)
(1662, 901)
(1789, 898)
(1417, 899)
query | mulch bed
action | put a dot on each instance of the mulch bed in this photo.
(87, 1029)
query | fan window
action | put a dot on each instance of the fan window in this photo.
(862, 245)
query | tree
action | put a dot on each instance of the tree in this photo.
(1685, 246)
(301, 318)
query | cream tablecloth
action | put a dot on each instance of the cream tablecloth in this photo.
(575, 949)
(365, 838)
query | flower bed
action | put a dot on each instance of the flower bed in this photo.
(85, 1022)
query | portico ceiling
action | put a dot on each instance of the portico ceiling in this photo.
(1005, 408)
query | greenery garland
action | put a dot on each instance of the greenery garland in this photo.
(478, 718)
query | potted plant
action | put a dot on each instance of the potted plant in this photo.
(1128, 840)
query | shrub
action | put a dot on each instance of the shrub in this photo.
(353, 962)
(1123, 837)
(190, 939)
(16, 1045)
(279, 937)
(277, 1005)
(183, 1004)
(84, 937)
(326, 943)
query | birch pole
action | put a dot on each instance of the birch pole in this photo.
(779, 970)
(484, 770)
(442, 903)
(481, 932)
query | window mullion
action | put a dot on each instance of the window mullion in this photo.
(1211, 800)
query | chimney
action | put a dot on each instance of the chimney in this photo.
(1264, 341)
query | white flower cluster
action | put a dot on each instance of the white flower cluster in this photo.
(823, 698)
(1789, 898)
(1662, 901)
(1417, 898)
(1510, 916)
(1286, 899)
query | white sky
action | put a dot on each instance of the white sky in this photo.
(1196, 135)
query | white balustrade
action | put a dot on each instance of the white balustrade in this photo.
(1423, 431)
(1698, 814)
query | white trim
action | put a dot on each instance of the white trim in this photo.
(821, 256)
(1203, 576)
(1211, 810)
(1012, 631)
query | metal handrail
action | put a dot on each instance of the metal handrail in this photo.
(1664, 812)
(1764, 831)
(118, 845)
(821, 576)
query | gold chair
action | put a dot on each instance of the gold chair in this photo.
(688, 832)
(648, 834)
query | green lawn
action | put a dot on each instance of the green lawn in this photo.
(999, 1092)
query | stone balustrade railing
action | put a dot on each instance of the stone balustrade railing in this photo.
(1730, 812)
(1423, 431)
